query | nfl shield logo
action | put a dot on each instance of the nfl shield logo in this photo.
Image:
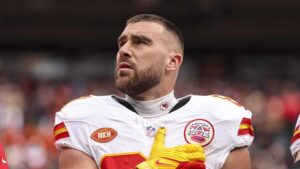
(150, 131)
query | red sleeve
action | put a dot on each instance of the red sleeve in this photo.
(3, 162)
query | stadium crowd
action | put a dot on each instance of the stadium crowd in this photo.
(33, 86)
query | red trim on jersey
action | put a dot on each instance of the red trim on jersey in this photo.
(246, 121)
(62, 135)
(122, 160)
(245, 132)
(58, 126)
(246, 127)
(60, 131)
(296, 135)
(297, 128)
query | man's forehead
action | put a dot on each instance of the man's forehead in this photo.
(143, 28)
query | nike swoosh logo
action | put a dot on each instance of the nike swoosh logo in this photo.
(4, 161)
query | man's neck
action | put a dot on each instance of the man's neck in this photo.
(151, 109)
(154, 93)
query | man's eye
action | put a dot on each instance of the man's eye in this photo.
(121, 44)
(140, 42)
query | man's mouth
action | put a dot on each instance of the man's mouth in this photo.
(124, 66)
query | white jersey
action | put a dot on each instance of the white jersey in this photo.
(295, 146)
(114, 135)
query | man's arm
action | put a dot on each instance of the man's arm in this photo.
(73, 159)
(297, 156)
(238, 158)
(296, 164)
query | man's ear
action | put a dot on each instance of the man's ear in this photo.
(174, 61)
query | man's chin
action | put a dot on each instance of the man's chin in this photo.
(122, 88)
(122, 79)
(124, 72)
(122, 82)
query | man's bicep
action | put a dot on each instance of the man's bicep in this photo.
(73, 159)
(238, 158)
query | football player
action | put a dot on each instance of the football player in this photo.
(111, 132)
(3, 163)
(295, 146)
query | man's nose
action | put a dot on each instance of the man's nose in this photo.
(125, 50)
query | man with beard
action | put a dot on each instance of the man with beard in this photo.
(150, 128)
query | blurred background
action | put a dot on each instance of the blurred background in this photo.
(52, 51)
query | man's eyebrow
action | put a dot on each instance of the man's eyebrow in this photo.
(142, 38)
(136, 37)
(122, 37)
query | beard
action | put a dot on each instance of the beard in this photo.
(142, 81)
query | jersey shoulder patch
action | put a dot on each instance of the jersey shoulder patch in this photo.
(60, 131)
(295, 140)
(296, 134)
(246, 127)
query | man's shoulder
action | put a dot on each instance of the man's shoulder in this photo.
(295, 141)
(216, 98)
(220, 106)
(223, 112)
(87, 101)
(83, 106)
(218, 101)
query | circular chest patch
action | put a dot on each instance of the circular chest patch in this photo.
(199, 131)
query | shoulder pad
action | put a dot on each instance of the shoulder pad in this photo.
(225, 98)
(80, 107)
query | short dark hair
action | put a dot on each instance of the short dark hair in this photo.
(168, 25)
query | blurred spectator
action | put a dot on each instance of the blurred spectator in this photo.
(11, 106)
